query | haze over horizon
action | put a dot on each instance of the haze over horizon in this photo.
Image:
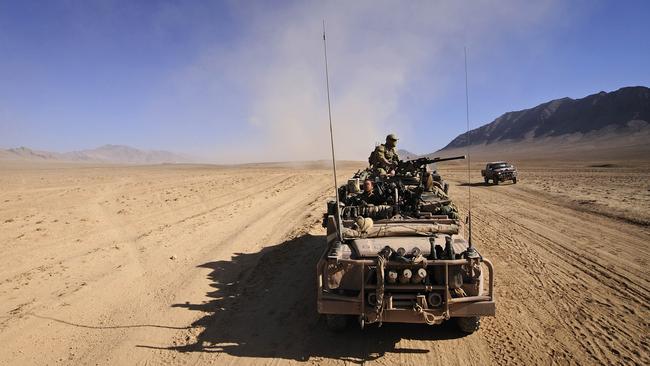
(238, 82)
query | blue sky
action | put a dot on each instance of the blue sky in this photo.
(243, 81)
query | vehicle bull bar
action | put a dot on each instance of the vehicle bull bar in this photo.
(329, 303)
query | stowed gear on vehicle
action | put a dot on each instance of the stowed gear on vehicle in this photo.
(413, 191)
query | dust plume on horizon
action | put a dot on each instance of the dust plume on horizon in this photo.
(382, 55)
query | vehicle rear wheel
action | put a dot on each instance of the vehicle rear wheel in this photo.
(469, 324)
(487, 181)
(336, 322)
(514, 180)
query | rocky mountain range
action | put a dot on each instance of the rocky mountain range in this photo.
(616, 121)
(118, 154)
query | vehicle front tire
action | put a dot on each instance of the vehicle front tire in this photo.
(469, 324)
(496, 181)
(486, 180)
(336, 322)
(514, 180)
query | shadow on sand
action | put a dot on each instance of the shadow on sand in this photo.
(264, 305)
(475, 184)
(483, 184)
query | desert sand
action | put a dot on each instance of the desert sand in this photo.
(191, 264)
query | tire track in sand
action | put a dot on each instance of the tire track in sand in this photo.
(552, 289)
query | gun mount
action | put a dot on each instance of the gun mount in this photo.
(405, 166)
(417, 172)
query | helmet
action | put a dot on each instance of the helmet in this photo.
(392, 136)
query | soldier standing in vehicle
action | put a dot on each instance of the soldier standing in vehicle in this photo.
(384, 158)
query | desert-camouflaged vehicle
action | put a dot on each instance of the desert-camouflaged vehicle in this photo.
(395, 253)
(499, 171)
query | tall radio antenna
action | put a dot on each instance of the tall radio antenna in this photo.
(469, 180)
(329, 111)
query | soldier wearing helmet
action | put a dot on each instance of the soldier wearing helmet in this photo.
(384, 158)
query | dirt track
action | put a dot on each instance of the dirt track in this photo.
(199, 265)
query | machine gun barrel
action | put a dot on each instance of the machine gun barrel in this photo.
(437, 160)
(420, 162)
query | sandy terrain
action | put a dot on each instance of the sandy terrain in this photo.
(215, 265)
(614, 188)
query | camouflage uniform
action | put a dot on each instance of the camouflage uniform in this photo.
(384, 157)
(370, 198)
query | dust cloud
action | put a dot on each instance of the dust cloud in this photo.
(377, 58)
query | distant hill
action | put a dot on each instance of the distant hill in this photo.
(127, 154)
(616, 122)
(118, 154)
(406, 155)
(24, 153)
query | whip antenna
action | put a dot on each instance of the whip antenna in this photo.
(469, 179)
(329, 111)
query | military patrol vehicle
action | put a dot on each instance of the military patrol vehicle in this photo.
(499, 171)
(395, 253)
